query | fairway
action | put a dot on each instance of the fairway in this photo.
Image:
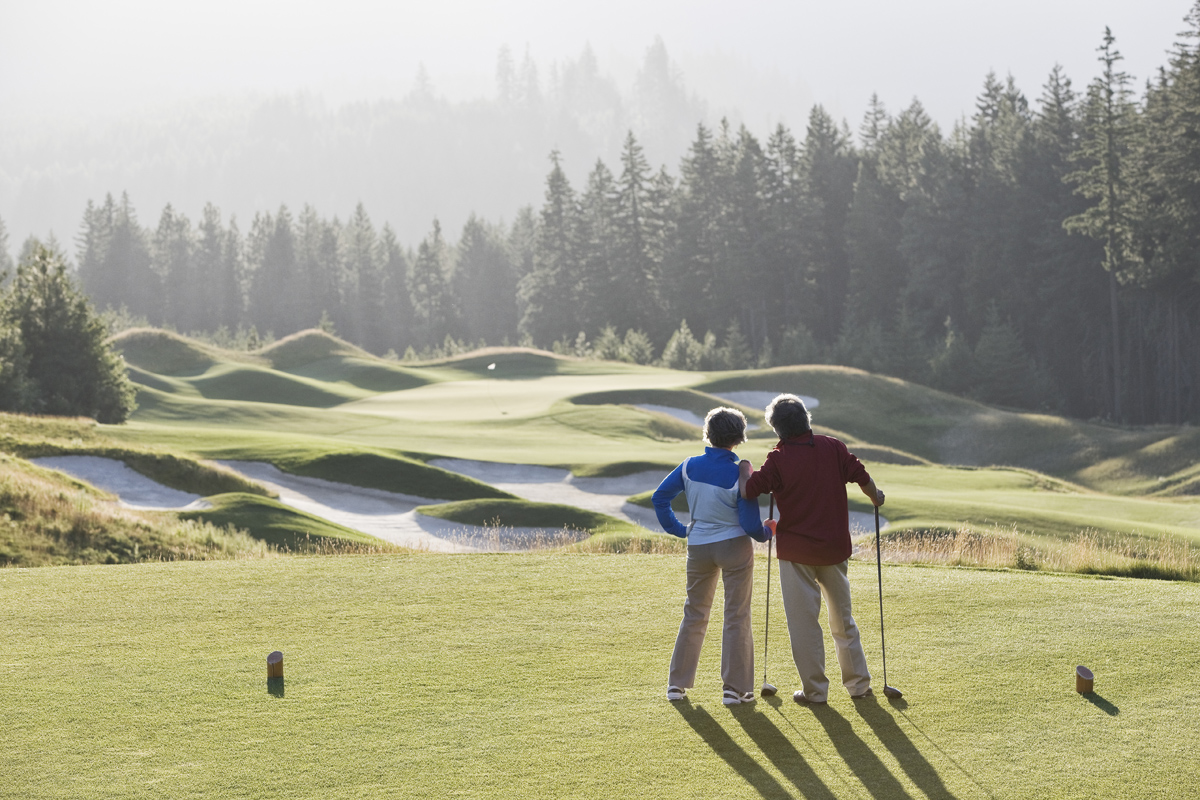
(542, 676)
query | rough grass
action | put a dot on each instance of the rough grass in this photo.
(1088, 552)
(541, 676)
(47, 519)
(516, 513)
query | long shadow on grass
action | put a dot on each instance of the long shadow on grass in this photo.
(915, 765)
(859, 757)
(1102, 704)
(782, 753)
(734, 755)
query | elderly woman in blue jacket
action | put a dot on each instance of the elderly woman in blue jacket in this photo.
(718, 546)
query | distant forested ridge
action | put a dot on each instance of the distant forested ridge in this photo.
(1041, 255)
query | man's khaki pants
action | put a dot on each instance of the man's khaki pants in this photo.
(802, 587)
(733, 561)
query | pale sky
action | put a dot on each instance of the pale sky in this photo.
(73, 56)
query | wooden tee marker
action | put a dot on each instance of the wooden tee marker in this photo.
(1083, 679)
(275, 665)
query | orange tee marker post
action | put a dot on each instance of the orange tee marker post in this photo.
(275, 665)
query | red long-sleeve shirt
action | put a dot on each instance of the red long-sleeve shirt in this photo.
(808, 475)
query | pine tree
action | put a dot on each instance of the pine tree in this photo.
(276, 286)
(71, 368)
(1109, 130)
(397, 301)
(207, 262)
(829, 167)
(631, 295)
(230, 279)
(695, 268)
(485, 283)
(546, 295)
(432, 309)
(173, 252)
(362, 261)
(6, 262)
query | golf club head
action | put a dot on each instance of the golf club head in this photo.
(892, 692)
(768, 690)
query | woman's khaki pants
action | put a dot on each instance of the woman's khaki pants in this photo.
(802, 587)
(733, 561)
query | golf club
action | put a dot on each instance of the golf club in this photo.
(889, 691)
(768, 689)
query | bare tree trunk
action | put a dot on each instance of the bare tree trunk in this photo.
(1116, 345)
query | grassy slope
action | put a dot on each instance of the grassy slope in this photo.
(276, 524)
(408, 676)
(47, 518)
(946, 429)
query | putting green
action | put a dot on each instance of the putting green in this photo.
(542, 676)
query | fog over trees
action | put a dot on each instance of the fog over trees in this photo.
(405, 159)
(1042, 253)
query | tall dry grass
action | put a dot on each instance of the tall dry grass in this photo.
(1088, 552)
(47, 519)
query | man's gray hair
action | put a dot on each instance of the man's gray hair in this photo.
(788, 415)
(725, 427)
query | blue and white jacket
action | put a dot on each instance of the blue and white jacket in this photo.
(718, 511)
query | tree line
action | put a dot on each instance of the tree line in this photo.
(1040, 255)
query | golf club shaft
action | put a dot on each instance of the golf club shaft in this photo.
(767, 626)
(879, 571)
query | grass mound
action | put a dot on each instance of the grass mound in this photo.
(307, 346)
(168, 353)
(285, 528)
(259, 385)
(367, 374)
(49, 519)
(517, 513)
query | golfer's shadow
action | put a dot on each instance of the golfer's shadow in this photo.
(915, 765)
(769, 739)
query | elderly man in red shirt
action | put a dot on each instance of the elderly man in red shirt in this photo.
(808, 474)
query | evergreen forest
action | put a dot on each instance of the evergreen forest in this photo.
(1043, 254)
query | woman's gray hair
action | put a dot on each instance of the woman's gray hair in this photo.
(788, 415)
(725, 427)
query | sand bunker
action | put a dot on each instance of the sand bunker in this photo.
(390, 516)
(550, 485)
(689, 417)
(133, 490)
(761, 399)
